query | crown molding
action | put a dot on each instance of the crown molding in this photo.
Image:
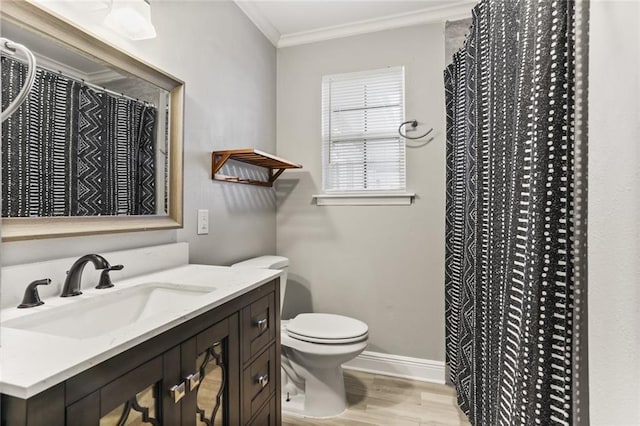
(458, 10)
(259, 20)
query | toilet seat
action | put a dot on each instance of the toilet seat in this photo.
(326, 329)
(319, 349)
(328, 341)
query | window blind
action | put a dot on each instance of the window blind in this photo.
(361, 147)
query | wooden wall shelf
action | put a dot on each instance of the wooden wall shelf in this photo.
(276, 165)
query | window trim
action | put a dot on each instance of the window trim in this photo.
(364, 199)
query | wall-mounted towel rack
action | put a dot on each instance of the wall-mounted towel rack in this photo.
(276, 165)
(414, 124)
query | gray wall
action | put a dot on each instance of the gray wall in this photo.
(614, 214)
(230, 69)
(455, 35)
(381, 264)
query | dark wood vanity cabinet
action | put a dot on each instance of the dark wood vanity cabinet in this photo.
(219, 368)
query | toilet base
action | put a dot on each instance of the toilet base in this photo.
(323, 395)
(312, 374)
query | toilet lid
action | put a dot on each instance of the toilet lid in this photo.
(327, 328)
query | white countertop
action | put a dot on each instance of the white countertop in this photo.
(31, 362)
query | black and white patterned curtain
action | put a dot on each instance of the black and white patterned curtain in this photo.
(511, 287)
(71, 150)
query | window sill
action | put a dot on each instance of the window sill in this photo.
(392, 199)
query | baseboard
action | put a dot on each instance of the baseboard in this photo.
(424, 370)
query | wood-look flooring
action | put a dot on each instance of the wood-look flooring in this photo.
(389, 401)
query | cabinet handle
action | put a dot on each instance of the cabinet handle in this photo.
(194, 380)
(262, 324)
(177, 392)
(263, 380)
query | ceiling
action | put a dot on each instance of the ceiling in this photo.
(292, 22)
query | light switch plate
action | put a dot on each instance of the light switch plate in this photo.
(203, 222)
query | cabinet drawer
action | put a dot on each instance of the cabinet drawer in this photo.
(259, 381)
(258, 325)
(266, 416)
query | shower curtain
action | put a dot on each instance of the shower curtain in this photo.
(514, 219)
(71, 150)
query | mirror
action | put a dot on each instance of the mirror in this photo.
(97, 147)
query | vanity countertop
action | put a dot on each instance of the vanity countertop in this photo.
(31, 362)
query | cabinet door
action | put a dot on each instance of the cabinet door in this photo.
(136, 397)
(210, 369)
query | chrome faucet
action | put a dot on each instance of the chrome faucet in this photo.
(74, 276)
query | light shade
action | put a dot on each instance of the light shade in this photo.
(131, 18)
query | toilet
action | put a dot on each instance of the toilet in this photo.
(314, 347)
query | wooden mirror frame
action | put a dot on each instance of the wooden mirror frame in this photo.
(38, 20)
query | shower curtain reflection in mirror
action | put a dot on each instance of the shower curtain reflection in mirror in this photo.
(72, 150)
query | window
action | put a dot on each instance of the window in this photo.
(361, 148)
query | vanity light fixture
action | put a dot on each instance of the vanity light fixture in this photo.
(131, 18)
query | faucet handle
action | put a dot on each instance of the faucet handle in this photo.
(105, 279)
(31, 297)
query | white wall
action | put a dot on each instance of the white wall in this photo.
(381, 264)
(229, 69)
(614, 213)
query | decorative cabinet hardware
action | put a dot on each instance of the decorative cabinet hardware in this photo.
(275, 165)
(263, 380)
(178, 392)
(262, 324)
(193, 380)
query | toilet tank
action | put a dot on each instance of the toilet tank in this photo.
(269, 262)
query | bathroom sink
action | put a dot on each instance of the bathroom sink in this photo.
(100, 314)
